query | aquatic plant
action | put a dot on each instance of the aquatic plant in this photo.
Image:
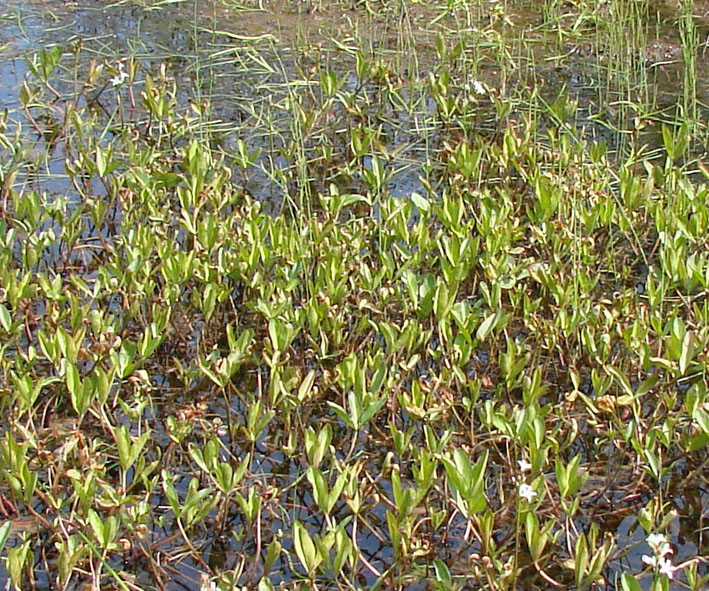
(355, 318)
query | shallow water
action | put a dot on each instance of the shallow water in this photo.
(243, 60)
(274, 47)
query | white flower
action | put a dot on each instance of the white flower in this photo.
(667, 568)
(207, 585)
(119, 78)
(652, 561)
(478, 87)
(655, 540)
(659, 544)
(526, 492)
(524, 466)
(660, 548)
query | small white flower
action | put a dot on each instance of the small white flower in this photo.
(659, 544)
(660, 548)
(119, 78)
(652, 561)
(524, 465)
(206, 584)
(655, 540)
(667, 568)
(219, 428)
(478, 87)
(527, 492)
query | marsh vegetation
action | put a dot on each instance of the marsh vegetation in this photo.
(354, 295)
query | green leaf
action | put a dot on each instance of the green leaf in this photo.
(343, 549)
(687, 351)
(171, 494)
(316, 445)
(580, 560)
(75, 387)
(98, 526)
(371, 410)
(668, 140)
(272, 553)
(5, 319)
(319, 484)
(697, 442)
(459, 470)
(622, 380)
(336, 491)
(702, 418)
(561, 477)
(441, 299)
(305, 548)
(100, 161)
(443, 575)
(421, 203)
(195, 499)
(211, 375)
(653, 463)
(630, 583)
(647, 385)
(536, 540)
(197, 457)
(485, 328)
(16, 561)
(4, 534)
(306, 385)
(123, 441)
(342, 413)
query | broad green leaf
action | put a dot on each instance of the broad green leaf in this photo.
(305, 548)
(687, 351)
(580, 559)
(702, 418)
(5, 319)
(100, 161)
(371, 410)
(197, 457)
(443, 575)
(98, 526)
(630, 583)
(123, 442)
(195, 499)
(421, 203)
(306, 385)
(485, 328)
(272, 553)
